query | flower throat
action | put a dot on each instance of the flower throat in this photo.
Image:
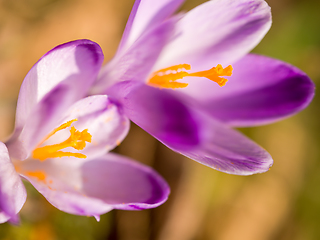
(167, 77)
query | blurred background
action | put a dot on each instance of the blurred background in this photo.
(282, 204)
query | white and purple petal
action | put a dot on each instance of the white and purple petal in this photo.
(55, 82)
(216, 32)
(92, 187)
(225, 149)
(261, 90)
(12, 191)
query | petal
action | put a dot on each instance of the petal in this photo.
(137, 61)
(158, 112)
(144, 15)
(261, 90)
(217, 32)
(12, 191)
(55, 82)
(103, 120)
(75, 64)
(95, 186)
(182, 126)
(226, 150)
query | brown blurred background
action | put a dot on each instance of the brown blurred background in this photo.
(282, 204)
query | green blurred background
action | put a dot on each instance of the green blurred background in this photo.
(282, 204)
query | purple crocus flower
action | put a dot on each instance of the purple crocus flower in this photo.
(169, 68)
(61, 142)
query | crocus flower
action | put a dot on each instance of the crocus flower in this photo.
(61, 142)
(169, 71)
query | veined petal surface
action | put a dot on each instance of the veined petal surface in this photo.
(95, 186)
(260, 91)
(216, 32)
(12, 191)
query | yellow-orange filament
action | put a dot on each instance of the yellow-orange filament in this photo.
(77, 140)
(167, 77)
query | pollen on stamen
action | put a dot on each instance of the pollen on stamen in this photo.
(167, 77)
(77, 140)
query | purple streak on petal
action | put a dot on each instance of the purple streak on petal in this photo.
(12, 191)
(216, 32)
(262, 90)
(225, 149)
(95, 186)
(145, 15)
(75, 63)
(158, 112)
(137, 61)
(55, 82)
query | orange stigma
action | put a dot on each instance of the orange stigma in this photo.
(167, 77)
(77, 140)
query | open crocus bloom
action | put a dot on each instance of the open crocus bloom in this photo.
(61, 142)
(169, 71)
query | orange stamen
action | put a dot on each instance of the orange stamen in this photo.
(77, 140)
(167, 77)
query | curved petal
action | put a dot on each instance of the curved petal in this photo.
(75, 64)
(103, 120)
(95, 186)
(12, 191)
(144, 15)
(260, 91)
(137, 61)
(55, 82)
(216, 32)
(180, 125)
(158, 112)
(226, 150)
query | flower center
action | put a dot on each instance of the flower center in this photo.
(77, 140)
(167, 77)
